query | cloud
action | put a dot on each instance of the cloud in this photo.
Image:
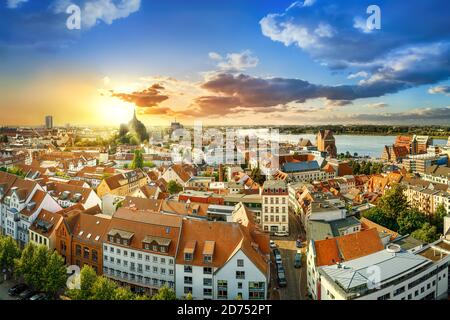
(360, 74)
(235, 61)
(147, 98)
(440, 90)
(254, 92)
(361, 24)
(378, 105)
(420, 115)
(94, 11)
(13, 4)
(330, 31)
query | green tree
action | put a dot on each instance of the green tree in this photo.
(122, 293)
(149, 164)
(103, 289)
(165, 293)
(38, 262)
(24, 265)
(138, 160)
(438, 218)
(393, 203)
(88, 277)
(410, 221)
(55, 274)
(189, 297)
(427, 233)
(174, 187)
(378, 216)
(9, 252)
(257, 176)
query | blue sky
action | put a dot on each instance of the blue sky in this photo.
(268, 61)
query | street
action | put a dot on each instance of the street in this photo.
(296, 277)
(4, 287)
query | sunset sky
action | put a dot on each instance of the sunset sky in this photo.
(225, 62)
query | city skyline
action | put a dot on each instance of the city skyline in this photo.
(252, 62)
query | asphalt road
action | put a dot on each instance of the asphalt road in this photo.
(4, 287)
(296, 277)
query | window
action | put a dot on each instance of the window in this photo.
(86, 253)
(94, 255)
(207, 258)
(240, 262)
(207, 282)
(239, 285)
(125, 253)
(222, 289)
(155, 259)
(188, 256)
(78, 250)
(384, 297)
(132, 254)
(187, 290)
(155, 269)
(140, 256)
(187, 280)
(207, 270)
(207, 292)
(188, 269)
(240, 274)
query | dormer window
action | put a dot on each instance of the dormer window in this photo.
(207, 258)
(188, 256)
(155, 247)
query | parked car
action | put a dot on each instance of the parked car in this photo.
(282, 279)
(277, 255)
(298, 260)
(281, 234)
(38, 296)
(273, 245)
(17, 289)
(27, 294)
(280, 267)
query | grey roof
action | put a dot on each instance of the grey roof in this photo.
(356, 273)
(408, 242)
(300, 166)
(338, 225)
(321, 230)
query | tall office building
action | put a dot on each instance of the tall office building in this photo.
(49, 122)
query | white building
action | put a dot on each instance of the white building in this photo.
(220, 260)
(21, 204)
(139, 250)
(275, 206)
(390, 274)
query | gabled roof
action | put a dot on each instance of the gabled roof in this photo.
(347, 247)
(228, 239)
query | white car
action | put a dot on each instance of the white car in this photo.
(273, 245)
(281, 234)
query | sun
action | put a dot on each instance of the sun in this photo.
(114, 112)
